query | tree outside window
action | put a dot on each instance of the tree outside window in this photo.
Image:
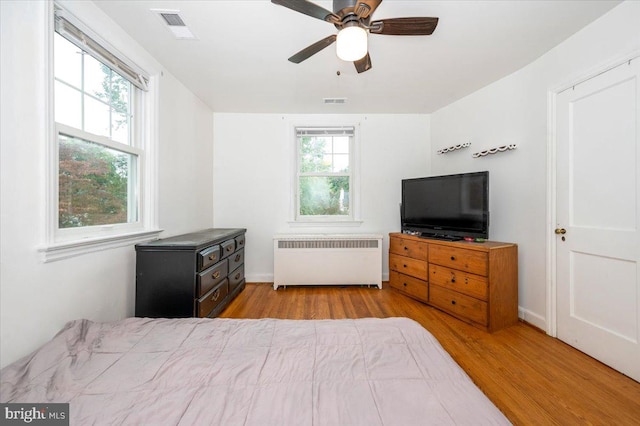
(93, 184)
(324, 172)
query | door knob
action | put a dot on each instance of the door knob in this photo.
(560, 231)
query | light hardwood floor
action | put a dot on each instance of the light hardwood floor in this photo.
(533, 378)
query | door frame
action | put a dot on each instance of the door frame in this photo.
(552, 163)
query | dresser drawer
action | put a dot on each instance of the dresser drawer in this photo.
(213, 298)
(463, 306)
(413, 287)
(208, 278)
(239, 242)
(208, 257)
(236, 277)
(406, 265)
(227, 248)
(408, 248)
(236, 259)
(473, 261)
(463, 282)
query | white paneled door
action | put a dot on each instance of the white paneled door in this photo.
(598, 240)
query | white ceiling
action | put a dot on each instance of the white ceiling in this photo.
(239, 61)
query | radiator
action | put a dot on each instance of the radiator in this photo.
(327, 259)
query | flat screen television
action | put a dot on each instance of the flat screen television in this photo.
(448, 207)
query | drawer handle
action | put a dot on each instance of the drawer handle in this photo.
(453, 258)
(241, 243)
(212, 257)
(404, 284)
(453, 302)
(237, 276)
(215, 296)
(216, 274)
(229, 248)
(404, 266)
(406, 248)
(238, 257)
(453, 278)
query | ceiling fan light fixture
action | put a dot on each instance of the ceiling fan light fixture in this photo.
(351, 43)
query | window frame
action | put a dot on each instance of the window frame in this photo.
(353, 218)
(60, 243)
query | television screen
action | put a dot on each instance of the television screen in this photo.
(451, 206)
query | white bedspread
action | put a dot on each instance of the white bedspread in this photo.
(250, 372)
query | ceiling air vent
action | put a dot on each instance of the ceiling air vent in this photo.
(174, 23)
(173, 19)
(334, 100)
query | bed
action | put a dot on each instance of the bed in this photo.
(191, 371)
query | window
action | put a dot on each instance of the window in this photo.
(325, 178)
(98, 150)
(97, 185)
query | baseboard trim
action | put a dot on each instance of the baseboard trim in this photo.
(532, 319)
(268, 278)
(259, 278)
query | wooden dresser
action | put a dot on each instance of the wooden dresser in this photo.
(474, 282)
(190, 275)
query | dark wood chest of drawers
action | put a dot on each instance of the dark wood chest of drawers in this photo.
(189, 275)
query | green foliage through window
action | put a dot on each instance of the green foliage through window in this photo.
(321, 195)
(324, 178)
(93, 184)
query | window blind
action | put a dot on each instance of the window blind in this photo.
(68, 27)
(325, 131)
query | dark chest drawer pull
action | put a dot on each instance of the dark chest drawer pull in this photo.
(237, 276)
(453, 302)
(453, 278)
(229, 248)
(404, 284)
(216, 294)
(237, 257)
(453, 258)
(216, 274)
(211, 257)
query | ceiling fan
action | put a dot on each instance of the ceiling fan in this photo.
(352, 18)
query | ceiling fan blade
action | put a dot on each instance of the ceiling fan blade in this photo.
(364, 8)
(313, 49)
(363, 64)
(309, 9)
(404, 26)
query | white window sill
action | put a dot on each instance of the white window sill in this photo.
(65, 250)
(325, 223)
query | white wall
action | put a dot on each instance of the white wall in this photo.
(36, 299)
(185, 182)
(513, 110)
(253, 176)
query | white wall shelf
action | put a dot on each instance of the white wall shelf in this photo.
(454, 148)
(502, 148)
